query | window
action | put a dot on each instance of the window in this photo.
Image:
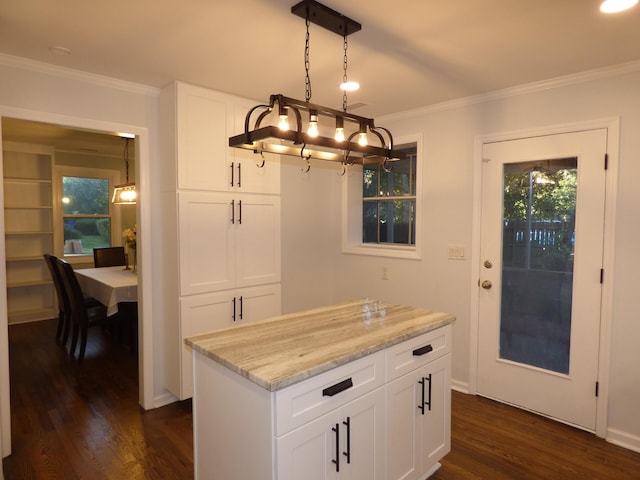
(85, 218)
(381, 208)
(389, 201)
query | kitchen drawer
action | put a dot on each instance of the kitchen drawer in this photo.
(304, 401)
(418, 351)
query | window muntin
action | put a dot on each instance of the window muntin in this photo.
(85, 214)
(389, 201)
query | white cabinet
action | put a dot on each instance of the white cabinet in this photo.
(221, 227)
(227, 241)
(28, 224)
(211, 311)
(205, 121)
(419, 406)
(345, 444)
(382, 416)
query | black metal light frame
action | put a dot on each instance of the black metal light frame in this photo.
(273, 139)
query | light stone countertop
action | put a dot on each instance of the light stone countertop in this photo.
(280, 351)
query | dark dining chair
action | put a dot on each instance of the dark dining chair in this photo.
(82, 316)
(62, 332)
(108, 257)
(64, 306)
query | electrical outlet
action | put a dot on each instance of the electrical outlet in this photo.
(385, 273)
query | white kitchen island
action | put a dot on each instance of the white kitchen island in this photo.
(356, 390)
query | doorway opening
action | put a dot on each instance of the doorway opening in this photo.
(76, 146)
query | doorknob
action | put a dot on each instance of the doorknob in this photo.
(486, 284)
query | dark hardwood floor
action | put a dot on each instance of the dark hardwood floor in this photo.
(72, 421)
(490, 440)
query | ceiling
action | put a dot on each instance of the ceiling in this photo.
(409, 53)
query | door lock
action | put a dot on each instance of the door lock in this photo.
(486, 284)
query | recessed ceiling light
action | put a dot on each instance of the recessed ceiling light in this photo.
(614, 6)
(349, 86)
(59, 50)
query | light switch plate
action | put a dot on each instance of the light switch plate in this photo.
(456, 252)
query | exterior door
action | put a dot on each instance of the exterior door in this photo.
(543, 203)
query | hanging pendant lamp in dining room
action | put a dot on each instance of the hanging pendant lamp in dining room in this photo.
(125, 194)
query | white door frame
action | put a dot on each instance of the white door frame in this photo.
(145, 350)
(606, 313)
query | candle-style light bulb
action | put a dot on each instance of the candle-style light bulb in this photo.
(312, 131)
(339, 136)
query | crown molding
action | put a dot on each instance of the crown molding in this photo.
(552, 83)
(76, 75)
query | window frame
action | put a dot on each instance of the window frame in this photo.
(352, 211)
(60, 171)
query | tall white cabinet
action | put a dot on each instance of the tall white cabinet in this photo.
(222, 216)
(28, 224)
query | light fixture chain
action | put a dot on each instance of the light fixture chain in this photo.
(307, 65)
(126, 159)
(344, 76)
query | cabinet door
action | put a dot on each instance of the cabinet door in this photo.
(257, 303)
(403, 449)
(309, 452)
(200, 314)
(253, 172)
(362, 442)
(206, 242)
(204, 118)
(435, 429)
(257, 240)
(418, 420)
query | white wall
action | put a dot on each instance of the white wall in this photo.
(438, 283)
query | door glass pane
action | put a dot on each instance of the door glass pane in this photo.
(537, 262)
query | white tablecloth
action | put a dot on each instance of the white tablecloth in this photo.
(109, 285)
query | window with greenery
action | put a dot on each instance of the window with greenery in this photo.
(86, 214)
(389, 201)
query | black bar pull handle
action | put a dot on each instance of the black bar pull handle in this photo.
(239, 173)
(422, 350)
(240, 307)
(428, 402)
(233, 212)
(347, 423)
(337, 459)
(337, 388)
(240, 212)
(421, 406)
(234, 309)
(232, 174)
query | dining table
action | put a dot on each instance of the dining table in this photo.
(109, 285)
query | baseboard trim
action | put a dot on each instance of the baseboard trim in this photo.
(458, 386)
(165, 398)
(623, 439)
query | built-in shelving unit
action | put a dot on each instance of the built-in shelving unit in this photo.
(28, 225)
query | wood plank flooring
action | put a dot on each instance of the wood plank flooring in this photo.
(73, 421)
(490, 440)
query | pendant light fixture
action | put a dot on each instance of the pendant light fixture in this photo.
(125, 194)
(356, 139)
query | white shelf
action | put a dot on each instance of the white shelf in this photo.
(28, 223)
(29, 283)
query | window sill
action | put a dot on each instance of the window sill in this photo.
(383, 251)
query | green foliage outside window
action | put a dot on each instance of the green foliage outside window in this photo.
(389, 199)
(86, 214)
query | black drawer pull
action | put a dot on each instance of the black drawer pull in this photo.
(422, 350)
(337, 388)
